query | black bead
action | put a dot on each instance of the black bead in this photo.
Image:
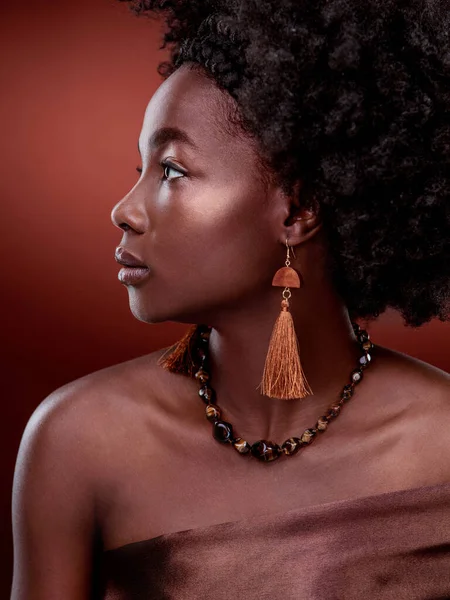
(223, 431)
(201, 353)
(265, 451)
(363, 336)
(207, 394)
(204, 337)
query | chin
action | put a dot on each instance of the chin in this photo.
(157, 312)
(147, 314)
(154, 312)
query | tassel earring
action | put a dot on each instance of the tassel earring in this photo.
(181, 357)
(283, 375)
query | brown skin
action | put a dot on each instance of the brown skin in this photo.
(126, 454)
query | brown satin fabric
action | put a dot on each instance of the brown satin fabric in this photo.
(391, 546)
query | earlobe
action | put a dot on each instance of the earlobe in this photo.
(300, 214)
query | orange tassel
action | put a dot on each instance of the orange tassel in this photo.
(178, 358)
(283, 375)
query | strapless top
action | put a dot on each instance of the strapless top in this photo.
(390, 546)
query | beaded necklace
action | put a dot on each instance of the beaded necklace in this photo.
(264, 450)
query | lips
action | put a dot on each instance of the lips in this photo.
(133, 271)
(125, 258)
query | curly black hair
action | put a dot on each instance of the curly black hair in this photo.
(352, 97)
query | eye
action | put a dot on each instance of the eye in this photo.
(169, 167)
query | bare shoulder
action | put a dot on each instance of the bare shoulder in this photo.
(83, 444)
(95, 421)
(105, 401)
(415, 400)
(411, 378)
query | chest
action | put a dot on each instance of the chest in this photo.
(159, 484)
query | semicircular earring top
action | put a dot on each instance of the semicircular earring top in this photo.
(283, 375)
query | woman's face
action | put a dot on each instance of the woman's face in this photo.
(204, 222)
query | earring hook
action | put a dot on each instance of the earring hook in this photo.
(292, 249)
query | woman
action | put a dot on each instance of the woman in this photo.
(311, 136)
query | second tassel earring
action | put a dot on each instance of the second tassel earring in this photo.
(283, 375)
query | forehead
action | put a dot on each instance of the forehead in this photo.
(190, 101)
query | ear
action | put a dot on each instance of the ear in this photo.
(301, 216)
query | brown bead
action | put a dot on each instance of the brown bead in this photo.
(202, 376)
(241, 445)
(265, 451)
(213, 412)
(292, 446)
(286, 277)
(367, 346)
(356, 375)
(333, 412)
(322, 423)
(308, 435)
(364, 361)
(347, 392)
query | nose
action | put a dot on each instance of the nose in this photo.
(129, 213)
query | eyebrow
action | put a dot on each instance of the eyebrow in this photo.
(165, 135)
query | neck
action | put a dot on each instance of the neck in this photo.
(238, 348)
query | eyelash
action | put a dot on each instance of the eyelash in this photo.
(165, 165)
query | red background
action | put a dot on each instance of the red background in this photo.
(76, 78)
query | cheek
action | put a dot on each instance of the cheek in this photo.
(218, 242)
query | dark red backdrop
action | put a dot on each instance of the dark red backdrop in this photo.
(77, 77)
